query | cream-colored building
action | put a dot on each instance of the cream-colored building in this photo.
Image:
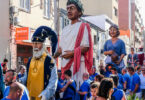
(98, 7)
(30, 14)
(4, 29)
(34, 13)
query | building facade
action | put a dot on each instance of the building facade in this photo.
(130, 19)
(4, 30)
(98, 7)
(26, 17)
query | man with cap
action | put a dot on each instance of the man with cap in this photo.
(41, 77)
(75, 44)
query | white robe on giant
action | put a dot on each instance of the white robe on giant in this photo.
(67, 42)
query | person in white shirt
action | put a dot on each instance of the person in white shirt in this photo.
(142, 79)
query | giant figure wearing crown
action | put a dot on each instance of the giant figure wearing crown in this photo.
(75, 46)
(41, 78)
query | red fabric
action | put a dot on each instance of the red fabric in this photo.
(141, 58)
(77, 52)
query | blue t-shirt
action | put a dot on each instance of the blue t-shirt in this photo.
(2, 84)
(92, 77)
(118, 46)
(85, 87)
(6, 99)
(121, 81)
(69, 92)
(107, 74)
(60, 80)
(59, 86)
(127, 79)
(135, 79)
(20, 75)
(117, 94)
(25, 95)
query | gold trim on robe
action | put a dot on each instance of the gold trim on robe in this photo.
(35, 82)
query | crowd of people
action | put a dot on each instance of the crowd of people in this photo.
(127, 85)
(77, 79)
(107, 84)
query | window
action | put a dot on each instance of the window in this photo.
(47, 8)
(94, 61)
(115, 12)
(64, 21)
(25, 5)
(95, 39)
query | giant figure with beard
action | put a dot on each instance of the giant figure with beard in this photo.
(41, 77)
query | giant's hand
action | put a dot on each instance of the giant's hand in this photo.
(44, 95)
(68, 54)
(110, 52)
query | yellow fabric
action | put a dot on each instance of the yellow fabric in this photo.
(35, 82)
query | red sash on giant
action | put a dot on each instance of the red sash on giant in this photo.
(77, 52)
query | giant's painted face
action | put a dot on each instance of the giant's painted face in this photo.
(72, 12)
(38, 49)
(113, 32)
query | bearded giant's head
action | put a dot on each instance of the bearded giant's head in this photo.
(38, 40)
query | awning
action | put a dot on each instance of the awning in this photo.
(29, 43)
(99, 21)
(24, 43)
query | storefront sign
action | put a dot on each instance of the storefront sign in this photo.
(125, 32)
(22, 33)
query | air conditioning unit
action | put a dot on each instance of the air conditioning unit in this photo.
(13, 9)
(16, 21)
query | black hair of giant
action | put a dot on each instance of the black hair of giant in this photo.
(77, 6)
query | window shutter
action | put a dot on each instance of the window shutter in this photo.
(22, 3)
(44, 7)
(31, 2)
(27, 5)
(48, 8)
(42, 4)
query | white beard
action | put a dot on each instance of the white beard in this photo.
(38, 54)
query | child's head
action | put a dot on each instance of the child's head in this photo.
(98, 78)
(94, 88)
